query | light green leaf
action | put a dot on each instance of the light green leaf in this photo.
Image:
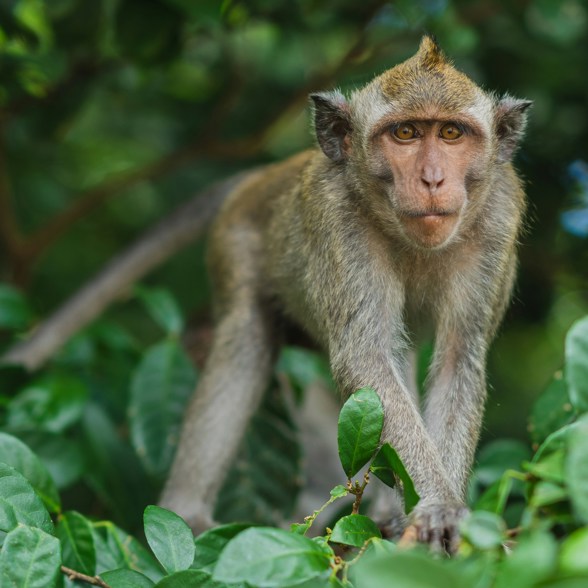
(576, 368)
(20, 502)
(270, 558)
(124, 578)
(163, 309)
(77, 542)
(572, 559)
(484, 530)
(30, 558)
(161, 387)
(210, 544)
(16, 454)
(355, 530)
(339, 491)
(576, 468)
(170, 538)
(360, 427)
(385, 465)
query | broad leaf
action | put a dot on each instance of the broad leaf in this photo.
(161, 387)
(484, 530)
(189, 579)
(270, 558)
(163, 309)
(30, 558)
(576, 468)
(355, 530)
(573, 558)
(124, 578)
(576, 368)
(210, 544)
(170, 538)
(360, 427)
(16, 454)
(74, 532)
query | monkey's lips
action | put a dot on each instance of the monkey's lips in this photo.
(430, 228)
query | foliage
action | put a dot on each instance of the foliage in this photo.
(540, 544)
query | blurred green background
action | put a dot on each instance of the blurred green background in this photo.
(113, 112)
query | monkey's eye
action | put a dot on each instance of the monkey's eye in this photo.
(405, 132)
(450, 132)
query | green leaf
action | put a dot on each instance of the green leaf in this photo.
(385, 465)
(484, 530)
(19, 503)
(498, 456)
(576, 468)
(265, 479)
(30, 558)
(124, 578)
(572, 559)
(52, 404)
(339, 491)
(170, 538)
(162, 384)
(270, 558)
(533, 559)
(77, 542)
(15, 312)
(547, 493)
(163, 309)
(576, 368)
(116, 550)
(210, 544)
(355, 530)
(189, 579)
(303, 368)
(549, 468)
(551, 411)
(16, 454)
(360, 427)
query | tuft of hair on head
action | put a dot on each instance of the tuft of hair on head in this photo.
(430, 54)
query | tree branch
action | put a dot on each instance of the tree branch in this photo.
(79, 577)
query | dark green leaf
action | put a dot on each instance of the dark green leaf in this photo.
(210, 544)
(576, 368)
(303, 368)
(498, 456)
(484, 530)
(16, 454)
(170, 538)
(360, 427)
(77, 542)
(15, 312)
(547, 493)
(161, 387)
(190, 579)
(385, 465)
(163, 309)
(20, 503)
(549, 468)
(51, 404)
(124, 578)
(355, 530)
(270, 558)
(30, 558)
(576, 468)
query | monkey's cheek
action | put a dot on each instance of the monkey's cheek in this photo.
(432, 230)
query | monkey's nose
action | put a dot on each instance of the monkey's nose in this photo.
(432, 182)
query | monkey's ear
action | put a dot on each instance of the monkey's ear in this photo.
(511, 120)
(332, 124)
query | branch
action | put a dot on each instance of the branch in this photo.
(181, 227)
(79, 577)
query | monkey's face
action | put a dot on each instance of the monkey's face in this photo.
(428, 163)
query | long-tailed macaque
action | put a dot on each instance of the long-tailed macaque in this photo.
(403, 225)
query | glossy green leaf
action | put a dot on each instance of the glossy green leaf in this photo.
(15, 312)
(355, 530)
(16, 454)
(549, 468)
(74, 532)
(170, 538)
(19, 503)
(189, 579)
(125, 578)
(270, 558)
(386, 465)
(210, 544)
(30, 558)
(53, 404)
(484, 530)
(572, 559)
(163, 309)
(360, 426)
(576, 368)
(116, 550)
(162, 384)
(496, 457)
(576, 468)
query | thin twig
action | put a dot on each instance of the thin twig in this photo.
(79, 577)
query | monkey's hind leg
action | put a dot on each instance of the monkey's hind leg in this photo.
(229, 392)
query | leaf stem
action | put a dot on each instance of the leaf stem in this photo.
(79, 577)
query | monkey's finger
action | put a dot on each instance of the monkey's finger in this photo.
(409, 537)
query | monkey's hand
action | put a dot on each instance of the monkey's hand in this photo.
(437, 524)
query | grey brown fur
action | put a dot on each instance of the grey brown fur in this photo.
(321, 238)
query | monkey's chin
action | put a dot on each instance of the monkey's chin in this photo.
(430, 231)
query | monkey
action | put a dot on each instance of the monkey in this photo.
(401, 225)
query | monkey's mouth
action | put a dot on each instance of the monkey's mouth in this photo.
(433, 213)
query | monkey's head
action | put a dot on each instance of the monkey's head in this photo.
(423, 138)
